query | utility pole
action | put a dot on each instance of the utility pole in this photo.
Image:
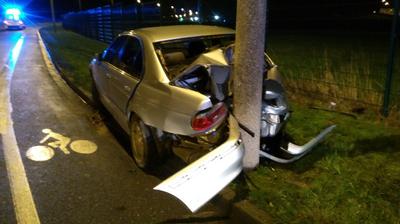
(80, 5)
(389, 74)
(199, 11)
(248, 74)
(53, 15)
(112, 2)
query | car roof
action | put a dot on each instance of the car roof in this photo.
(164, 33)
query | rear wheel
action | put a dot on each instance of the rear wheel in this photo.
(143, 146)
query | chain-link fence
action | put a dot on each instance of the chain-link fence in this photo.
(342, 66)
(104, 23)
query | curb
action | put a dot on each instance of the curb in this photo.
(238, 211)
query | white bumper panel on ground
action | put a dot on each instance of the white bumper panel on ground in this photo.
(199, 182)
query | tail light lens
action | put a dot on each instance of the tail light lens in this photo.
(206, 120)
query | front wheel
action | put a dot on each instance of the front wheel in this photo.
(95, 96)
(143, 146)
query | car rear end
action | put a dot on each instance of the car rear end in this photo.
(9, 24)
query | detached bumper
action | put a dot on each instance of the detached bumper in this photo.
(199, 182)
(295, 152)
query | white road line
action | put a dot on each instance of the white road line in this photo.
(24, 206)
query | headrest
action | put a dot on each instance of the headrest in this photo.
(174, 58)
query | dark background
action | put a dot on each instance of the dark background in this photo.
(283, 14)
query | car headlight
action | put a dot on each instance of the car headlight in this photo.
(273, 119)
(6, 23)
(20, 22)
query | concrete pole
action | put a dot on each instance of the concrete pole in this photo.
(53, 15)
(248, 74)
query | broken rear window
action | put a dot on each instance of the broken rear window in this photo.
(177, 55)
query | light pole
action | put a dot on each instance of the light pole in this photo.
(248, 74)
(80, 5)
(53, 15)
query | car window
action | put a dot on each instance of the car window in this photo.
(111, 54)
(131, 60)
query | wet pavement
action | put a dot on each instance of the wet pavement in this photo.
(77, 170)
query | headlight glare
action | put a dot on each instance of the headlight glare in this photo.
(273, 118)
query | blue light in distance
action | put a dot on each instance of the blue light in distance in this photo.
(13, 13)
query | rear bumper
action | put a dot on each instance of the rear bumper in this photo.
(199, 182)
(16, 27)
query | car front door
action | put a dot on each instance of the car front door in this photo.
(127, 73)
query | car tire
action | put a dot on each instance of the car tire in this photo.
(143, 145)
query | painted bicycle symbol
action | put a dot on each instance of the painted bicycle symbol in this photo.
(53, 141)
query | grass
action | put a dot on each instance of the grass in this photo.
(72, 52)
(352, 177)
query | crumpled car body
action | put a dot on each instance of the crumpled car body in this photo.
(177, 80)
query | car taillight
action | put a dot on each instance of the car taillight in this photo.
(204, 121)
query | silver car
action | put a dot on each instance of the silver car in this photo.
(169, 88)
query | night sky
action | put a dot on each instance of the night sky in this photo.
(279, 10)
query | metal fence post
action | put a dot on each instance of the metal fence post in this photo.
(389, 74)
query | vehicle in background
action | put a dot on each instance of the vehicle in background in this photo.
(12, 20)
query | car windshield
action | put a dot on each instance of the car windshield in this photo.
(177, 55)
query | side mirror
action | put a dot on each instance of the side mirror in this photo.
(98, 57)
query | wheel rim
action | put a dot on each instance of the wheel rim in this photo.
(138, 139)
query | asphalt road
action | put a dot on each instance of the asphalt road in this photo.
(101, 185)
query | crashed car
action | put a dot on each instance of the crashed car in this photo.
(169, 88)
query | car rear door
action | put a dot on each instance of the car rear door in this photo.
(104, 69)
(127, 73)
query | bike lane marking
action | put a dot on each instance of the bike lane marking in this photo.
(24, 206)
(45, 151)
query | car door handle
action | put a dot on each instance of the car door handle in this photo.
(108, 75)
(127, 88)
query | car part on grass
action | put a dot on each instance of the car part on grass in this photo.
(297, 151)
(200, 181)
